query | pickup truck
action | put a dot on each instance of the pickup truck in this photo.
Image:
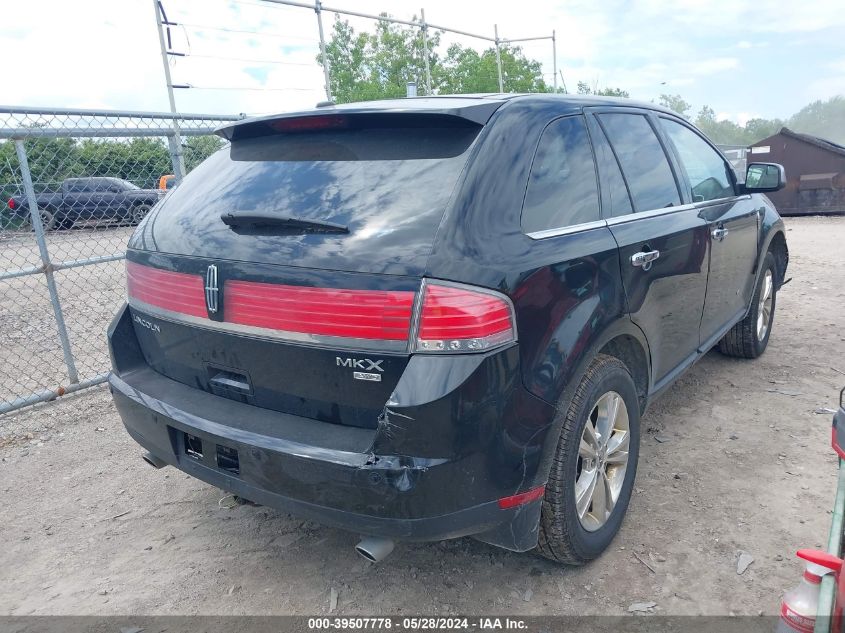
(97, 199)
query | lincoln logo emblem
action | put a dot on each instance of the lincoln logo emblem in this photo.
(211, 289)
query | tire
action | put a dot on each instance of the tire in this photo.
(567, 536)
(139, 212)
(749, 337)
(48, 219)
(65, 223)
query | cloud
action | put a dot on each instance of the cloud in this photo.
(99, 57)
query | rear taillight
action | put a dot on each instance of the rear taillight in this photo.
(11, 203)
(175, 292)
(441, 317)
(357, 314)
(456, 318)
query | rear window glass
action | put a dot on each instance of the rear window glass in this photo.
(389, 186)
(368, 180)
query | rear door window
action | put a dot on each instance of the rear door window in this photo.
(616, 199)
(643, 161)
(80, 186)
(706, 170)
(562, 189)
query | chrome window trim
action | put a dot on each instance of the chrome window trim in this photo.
(566, 230)
(630, 217)
(312, 340)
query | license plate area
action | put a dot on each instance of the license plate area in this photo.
(227, 459)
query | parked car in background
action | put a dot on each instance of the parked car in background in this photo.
(168, 181)
(429, 318)
(85, 199)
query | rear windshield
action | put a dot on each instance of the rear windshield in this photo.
(359, 178)
(389, 186)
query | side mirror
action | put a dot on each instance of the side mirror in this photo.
(764, 177)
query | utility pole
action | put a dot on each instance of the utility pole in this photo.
(175, 139)
(554, 58)
(498, 57)
(318, 9)
(425, 53)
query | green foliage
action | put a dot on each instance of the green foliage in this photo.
(466, 71)
(197, 148)
(676, 104)
(367, 66)
(585, 89)
(822, 118)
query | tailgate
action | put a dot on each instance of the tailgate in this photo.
(283, 271)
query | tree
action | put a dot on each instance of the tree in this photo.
(465, 70)
(725, 132)
(822, 118)
(584, 89)
(676, 104)
(197, 148)
(368, 66)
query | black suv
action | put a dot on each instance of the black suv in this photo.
(427, 318)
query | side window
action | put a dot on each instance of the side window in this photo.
(102, 185)
(706, 170)
(81, 186)
(643, 161)
(613, 184)
(562, 189)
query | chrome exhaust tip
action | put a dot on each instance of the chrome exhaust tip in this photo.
(374, 549)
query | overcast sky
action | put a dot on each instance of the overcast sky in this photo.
(743, 58)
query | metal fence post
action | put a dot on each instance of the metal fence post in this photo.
(38, 227)
(318, 9)
(554, 58)
(424, 26)
(177, 157)
(498, 58)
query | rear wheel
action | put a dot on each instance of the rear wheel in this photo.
(139, 212)
(594, 466)
(749, 337)
(48, 219)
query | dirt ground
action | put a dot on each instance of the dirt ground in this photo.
(734, 460)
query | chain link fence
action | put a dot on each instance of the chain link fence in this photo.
(73, 184)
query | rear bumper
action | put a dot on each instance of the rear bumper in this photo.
(272, 469)
(362, 480)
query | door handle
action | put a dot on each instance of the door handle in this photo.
(644, 258)
(719, 233)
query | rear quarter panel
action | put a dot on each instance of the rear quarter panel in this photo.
(566, 289)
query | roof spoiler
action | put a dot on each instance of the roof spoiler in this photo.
(332, 118)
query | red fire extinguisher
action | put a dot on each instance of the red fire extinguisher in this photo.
(799, 605)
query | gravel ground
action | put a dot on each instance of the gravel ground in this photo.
(734, 460)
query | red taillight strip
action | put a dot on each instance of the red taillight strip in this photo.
(362, 314)
(175, 292)
(442, 317)
(522, 498)
(834, 442)
(458, 318)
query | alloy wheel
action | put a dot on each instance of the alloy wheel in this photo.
(764, 310)
(602, 461)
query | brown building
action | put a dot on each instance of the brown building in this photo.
(815, 172)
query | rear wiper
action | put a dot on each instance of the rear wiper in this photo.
(256, 219)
